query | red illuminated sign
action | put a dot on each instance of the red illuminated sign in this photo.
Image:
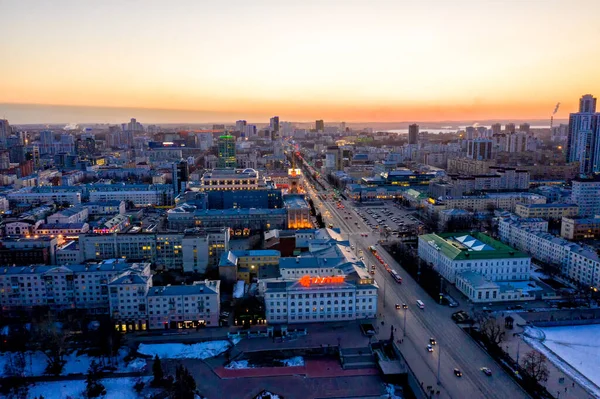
(307, 281)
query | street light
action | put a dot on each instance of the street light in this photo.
(439, 362)
(404, 327)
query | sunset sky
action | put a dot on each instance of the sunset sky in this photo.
(374, 60)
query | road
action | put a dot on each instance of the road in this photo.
(456, 348)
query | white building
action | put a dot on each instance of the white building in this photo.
(318, 299)
(28, 195)
(75, 214)
(187, 306)
(63, 287)
(105, 208)
(579, 263)
(451, 254)
(140, 195)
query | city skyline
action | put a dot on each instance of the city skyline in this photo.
(380, 61)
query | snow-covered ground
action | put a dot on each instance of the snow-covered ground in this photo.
(116, 388)
(295, 361)
(521, 285)
(267, 394)
(238, 290)
(202, 350)
(238, 365)
(36, 362)
(575, 350)
(391, 392)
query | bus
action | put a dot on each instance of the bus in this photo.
(420, 304)
(396, 276)
(373, 249)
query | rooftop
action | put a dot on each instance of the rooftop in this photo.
(205, 287)
(475, 246)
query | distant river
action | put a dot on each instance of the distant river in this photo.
(446, 129)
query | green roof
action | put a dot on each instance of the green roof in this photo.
(475, 246)
(227, 136)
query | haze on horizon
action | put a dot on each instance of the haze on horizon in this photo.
(356, 61)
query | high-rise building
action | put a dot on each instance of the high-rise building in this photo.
(46, 142)
(413, 134)
(509, 128)
(320, 125)
(470, 132)
(583, 144)
(482, 132)
(250, 130)
(226, 146)
(496, 128)
(524, 127)
(240, 125)
(274, 127)
(5, 132)
(134, 126)
(479, 149)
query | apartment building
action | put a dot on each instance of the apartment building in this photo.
(139, 194)
(232, 179)
(123, 290)
(32, 195)
(506, 201)
(579, 263)
(184, 306)
(24, 251)
(546, 211)
(580, 228)
(190, 251)
(586, 195)
(63, 287)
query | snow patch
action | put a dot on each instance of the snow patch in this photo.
(116, 388)
(75, 363)
(266, 394)
(391, 392)
(202, 350)
(293, 362)
(575, 350)
(238, 290)
(238, 365)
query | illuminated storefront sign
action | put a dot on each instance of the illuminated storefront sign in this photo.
(307, 281)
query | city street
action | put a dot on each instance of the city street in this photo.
(457, 348)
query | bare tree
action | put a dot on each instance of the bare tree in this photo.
(52, 341)
(534, 364)
(490, 327)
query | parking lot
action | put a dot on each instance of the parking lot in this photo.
(391, 217)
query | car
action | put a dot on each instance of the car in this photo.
(397, 306)
(373, 267)
(486, 371)
(404, 306)
(372, 272)
(457, 373)
(429, 348)
(432, 341)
